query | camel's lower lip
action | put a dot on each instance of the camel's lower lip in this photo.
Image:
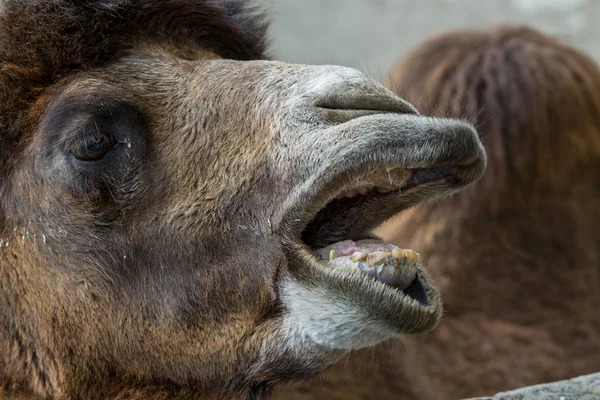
(384, 262)
(376, 259)
(415, 308)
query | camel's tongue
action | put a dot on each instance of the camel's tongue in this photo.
(375, 258)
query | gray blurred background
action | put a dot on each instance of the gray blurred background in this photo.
(372, 34)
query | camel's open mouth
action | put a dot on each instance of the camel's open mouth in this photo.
(378, 260)
(336, 240)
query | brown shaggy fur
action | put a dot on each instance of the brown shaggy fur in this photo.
(517, 254)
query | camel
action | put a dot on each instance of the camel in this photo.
(516, 255)
(183, 218)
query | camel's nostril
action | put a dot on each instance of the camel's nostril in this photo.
(382, 103)
(341, 108)
(345, 89)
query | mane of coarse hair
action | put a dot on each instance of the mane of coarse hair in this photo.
(534, 100)
(43, 41)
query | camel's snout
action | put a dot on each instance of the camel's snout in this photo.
(340, 122)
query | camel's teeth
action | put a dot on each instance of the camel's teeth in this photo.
(332, 255)
(377, 257)
(358, 256)
(411, 256)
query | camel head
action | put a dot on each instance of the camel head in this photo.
(181, 216)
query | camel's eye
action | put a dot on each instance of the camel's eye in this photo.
(94, 149)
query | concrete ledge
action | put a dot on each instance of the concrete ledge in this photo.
(582, 388)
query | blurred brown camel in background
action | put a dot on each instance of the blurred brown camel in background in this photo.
(517, 254)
